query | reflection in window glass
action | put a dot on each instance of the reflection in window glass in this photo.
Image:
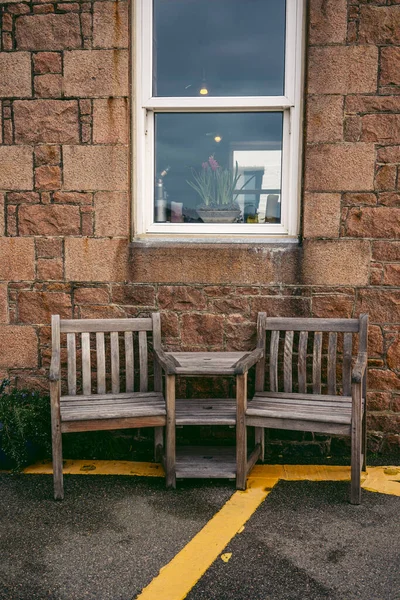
(219, 47)
(210, 163)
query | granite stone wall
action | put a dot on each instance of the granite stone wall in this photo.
(65, 198)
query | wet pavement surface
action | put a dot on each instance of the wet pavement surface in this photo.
(307, 542)
(107, 539)
(111, 535)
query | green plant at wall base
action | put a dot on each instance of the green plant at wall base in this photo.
(25, 420)
(215, 185)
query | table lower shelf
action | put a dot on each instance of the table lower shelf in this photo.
(208, 462)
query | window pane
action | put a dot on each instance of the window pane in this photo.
(230, 161)
(221, 47)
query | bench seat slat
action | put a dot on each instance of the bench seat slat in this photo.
(321, 413)
(131, 405)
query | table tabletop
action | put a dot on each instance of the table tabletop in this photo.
(206, 363)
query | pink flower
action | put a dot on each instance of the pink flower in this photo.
(213, 163)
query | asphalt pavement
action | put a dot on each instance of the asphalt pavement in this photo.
(111, 535)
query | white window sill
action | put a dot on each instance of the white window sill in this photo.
(174, 240)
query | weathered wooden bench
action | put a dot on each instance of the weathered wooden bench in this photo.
(116, 353)
(327, 396)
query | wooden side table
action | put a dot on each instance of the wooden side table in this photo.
(201, 463)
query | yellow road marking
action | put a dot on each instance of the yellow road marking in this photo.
(178, 577)
(100, 467)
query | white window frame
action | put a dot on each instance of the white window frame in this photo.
(146, 106)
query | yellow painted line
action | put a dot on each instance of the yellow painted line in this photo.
(385, 480)
(100, 467)
(178, 577)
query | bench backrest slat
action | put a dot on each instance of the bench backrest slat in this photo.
(302, 362)
(324, 349)
(71, 349)
(288, 361)
(86, 364)
(101, 362)
(317, 354)
(273, 362)
(101, 354)
(332, 350)
(129, 361)
(114, 362)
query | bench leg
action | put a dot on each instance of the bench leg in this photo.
(260, 439)
(158, 442)
(356, 444)
(241, 431)
(56, 441)
(170, 455)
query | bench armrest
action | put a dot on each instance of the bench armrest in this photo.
(244, 364)
(167, 362)
(54, 374)
(359, 367)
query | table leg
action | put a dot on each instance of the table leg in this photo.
(241, 432)
(170, 457)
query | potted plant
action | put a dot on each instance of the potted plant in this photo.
(24, 426)
(216, 187)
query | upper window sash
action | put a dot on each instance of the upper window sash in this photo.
(144, 23)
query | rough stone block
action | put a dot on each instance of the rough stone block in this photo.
(383, 306)
(375, 222)
(342, 69)
(47, 178)
(38, 219)
(15, 74)
(21, 344)
(133, 295)
(92, 295)
(16, 168)
(3, 303)
(51, 121)
(389, 199)
(47, 155)
(379, 25)
(371, 104)
(390, 66)
(181, 298)
(47, 62)
(336, 262)
(96, 73)
(321, 215)
(391, 276)
(328, 21)
(340, 167)
(2, 221)
(332, 306)
(359, 199)
(96, 260)
(202, 330)
(49, 269)
(48, 86)
(381, 128)
(48, 32)
(110, 24)
(37, 307)
(49, 248)
(277, 306)
(386, 177)
(387, 251)
(111, 214)
(324, 118)
(96, 168)
(72, 198)
(110, 121)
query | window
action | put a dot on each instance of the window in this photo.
(217, 121)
